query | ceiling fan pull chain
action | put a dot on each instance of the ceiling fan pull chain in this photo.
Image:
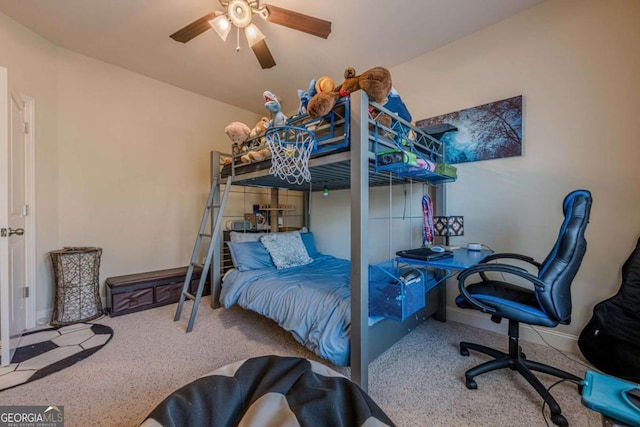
(238, 39)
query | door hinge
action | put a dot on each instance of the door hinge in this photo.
(25, 292)
(25, 210)
(25, 127)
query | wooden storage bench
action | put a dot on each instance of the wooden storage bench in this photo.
(141, 291)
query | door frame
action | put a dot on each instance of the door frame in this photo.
(5, 98)
(28, 104)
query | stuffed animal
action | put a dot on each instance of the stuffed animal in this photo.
(259, 128)
(376, 82)
(322, 103)
(272, 104)
(259, 154)
(305, 96)
(238, 132)
(396, 105)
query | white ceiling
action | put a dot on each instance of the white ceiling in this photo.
(134, 34)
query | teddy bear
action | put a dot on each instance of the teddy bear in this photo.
(238, 133)
(257, 155)
(376, 82)
(322, 103)
(259, 128)
(323, 84)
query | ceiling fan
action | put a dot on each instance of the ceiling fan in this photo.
(240, 13)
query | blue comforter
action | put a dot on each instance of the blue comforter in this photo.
(312, 302)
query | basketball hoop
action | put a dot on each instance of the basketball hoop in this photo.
(291, 148)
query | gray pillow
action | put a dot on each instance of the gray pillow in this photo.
(235, 236)
(286, 249)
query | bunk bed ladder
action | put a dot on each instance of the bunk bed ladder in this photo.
(218, 210)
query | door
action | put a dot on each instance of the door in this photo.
(13, 210)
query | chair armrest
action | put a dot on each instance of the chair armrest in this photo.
(499, 268)
(518, 257)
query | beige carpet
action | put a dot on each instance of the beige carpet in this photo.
(418, 382)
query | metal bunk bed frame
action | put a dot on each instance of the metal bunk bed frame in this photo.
(354, 169)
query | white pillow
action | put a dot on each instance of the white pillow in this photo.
(286, 249)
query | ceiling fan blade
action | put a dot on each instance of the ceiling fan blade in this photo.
(194, 29)
(298, 21)
(262, 52)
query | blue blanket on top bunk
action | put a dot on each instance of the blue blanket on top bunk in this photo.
(311, 301)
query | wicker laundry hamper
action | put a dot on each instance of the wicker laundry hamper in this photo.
(77, 298)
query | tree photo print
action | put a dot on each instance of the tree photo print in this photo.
(489, 131)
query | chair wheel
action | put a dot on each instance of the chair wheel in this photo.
(471, 384)
(464, 351)
(559, 420)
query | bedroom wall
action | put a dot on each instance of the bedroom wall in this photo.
(577, 65)
(134, 163)
(395, 220)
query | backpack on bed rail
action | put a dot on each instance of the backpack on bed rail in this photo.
(611, 339)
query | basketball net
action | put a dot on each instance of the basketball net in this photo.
(290, 148)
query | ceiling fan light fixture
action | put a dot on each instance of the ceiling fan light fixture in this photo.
(221, 25)
(240, 13)
(253, 34)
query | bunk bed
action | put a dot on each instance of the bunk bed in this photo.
(349, 142)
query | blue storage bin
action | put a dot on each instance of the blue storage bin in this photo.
(395, 292)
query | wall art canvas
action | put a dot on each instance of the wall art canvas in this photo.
(489, 131)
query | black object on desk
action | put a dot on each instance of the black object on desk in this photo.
(424, 254)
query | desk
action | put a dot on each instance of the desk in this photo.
(461, 260)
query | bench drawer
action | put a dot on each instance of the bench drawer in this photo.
(168, 293)
(127, 301)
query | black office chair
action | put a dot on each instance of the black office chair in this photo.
(547, 304)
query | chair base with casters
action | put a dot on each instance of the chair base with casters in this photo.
(517, 361)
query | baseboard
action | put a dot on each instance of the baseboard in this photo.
(565, 342)
(43, 316)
